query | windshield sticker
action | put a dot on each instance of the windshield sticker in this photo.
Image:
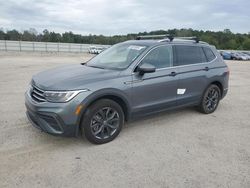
(136, 47)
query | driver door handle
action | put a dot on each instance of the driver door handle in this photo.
(173, 74)
(206, 69)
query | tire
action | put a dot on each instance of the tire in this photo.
(103, 121)
(210, 99)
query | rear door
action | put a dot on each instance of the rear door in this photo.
(193, 70)
(155, 91)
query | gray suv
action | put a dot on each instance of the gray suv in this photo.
(128, 80)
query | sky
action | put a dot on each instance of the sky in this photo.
(111, 17)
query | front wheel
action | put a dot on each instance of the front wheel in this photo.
(102, 121)
(210, 99)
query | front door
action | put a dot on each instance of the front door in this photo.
(155, 91)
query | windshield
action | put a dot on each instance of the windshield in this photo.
(119, 56)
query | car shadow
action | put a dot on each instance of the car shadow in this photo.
(169, 115)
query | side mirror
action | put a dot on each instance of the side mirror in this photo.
(145, 68)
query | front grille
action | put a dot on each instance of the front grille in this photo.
(37, 94)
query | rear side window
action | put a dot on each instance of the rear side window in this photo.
(209, 54)
(187, 55)
(159, 57)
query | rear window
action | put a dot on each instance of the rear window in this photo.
(187, 55)
(209, 54)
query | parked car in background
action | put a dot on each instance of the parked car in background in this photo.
(226, 55)
(91, 49)
(244, 55)
(248, 53)
(96, 49)
(237, 56)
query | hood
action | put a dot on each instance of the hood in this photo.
(71, 77)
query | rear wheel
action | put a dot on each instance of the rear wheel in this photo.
(102, 121)
(210, 99)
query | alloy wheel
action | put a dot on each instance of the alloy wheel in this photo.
(105, 123)
(212, 99)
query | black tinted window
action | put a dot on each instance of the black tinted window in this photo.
(186, 55)
(160, 57)
(209, 54)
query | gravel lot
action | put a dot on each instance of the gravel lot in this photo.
(173, 149)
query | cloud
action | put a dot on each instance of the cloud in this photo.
(111, 17)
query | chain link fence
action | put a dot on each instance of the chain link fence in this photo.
(25, 46)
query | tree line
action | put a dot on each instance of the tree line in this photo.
(221, 39)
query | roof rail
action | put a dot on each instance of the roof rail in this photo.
(196, 39)
(168, 37)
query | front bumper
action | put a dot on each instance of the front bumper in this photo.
(54, 118)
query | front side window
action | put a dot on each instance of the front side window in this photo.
(160, 57)
(187, 55)
(119, 56)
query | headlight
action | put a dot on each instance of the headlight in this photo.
(61, 96)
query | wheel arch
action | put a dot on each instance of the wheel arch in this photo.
(114, 95)
(219, 84)
(117, 99)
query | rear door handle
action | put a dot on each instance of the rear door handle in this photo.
(173, 74)
(206, 69)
